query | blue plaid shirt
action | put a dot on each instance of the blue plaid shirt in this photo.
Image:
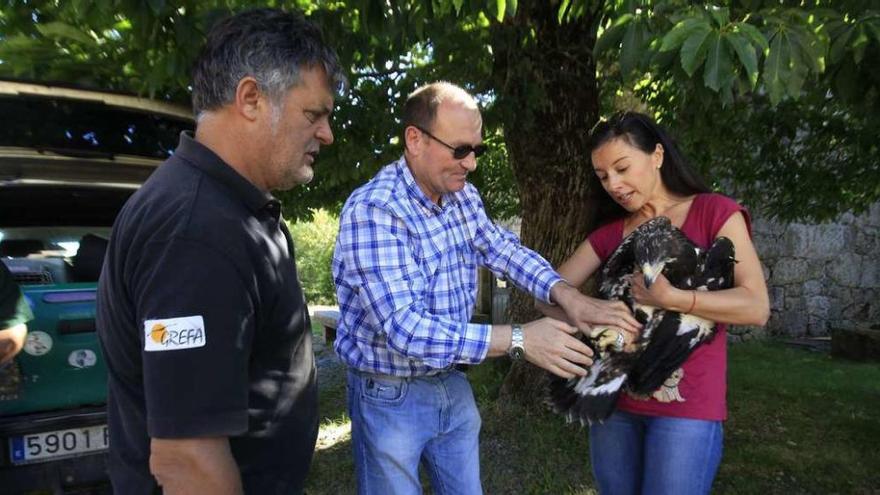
(406, 275)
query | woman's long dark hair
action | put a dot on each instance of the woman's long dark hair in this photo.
(640, 131)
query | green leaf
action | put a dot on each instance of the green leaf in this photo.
(156, 6)
(874, 28)
(753, 34)
(719, 67)
(693, 51)
(563, 9)
(457, 5)
(726, 95)
(61, 30)
(776, 67)
(846, 82)
(171, 65)
(631, 49)
(859, 44)
(795, 80)
(746, 54)
(719, 14)
(611, 37)
(624, 19)
(805, 53)
(501, 6)
(662, 60)
(676, 36)
(839, 46)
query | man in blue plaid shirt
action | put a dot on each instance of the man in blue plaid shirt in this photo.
(405, 268)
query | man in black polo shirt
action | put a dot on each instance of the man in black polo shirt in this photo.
(200, 312)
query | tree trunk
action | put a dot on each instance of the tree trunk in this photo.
(549, 99)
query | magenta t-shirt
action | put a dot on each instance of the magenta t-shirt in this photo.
(702, 390)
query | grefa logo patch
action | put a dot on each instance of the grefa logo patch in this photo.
(171, 334)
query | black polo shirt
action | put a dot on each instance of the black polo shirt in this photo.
(204, 327)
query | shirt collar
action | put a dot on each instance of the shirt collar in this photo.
(416, 193)
(201, 157)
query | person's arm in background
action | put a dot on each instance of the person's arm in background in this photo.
(14, 314)
(747, 303)
(11, 342)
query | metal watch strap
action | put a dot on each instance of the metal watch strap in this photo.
(516, 351)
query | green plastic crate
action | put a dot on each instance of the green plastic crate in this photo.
(61, 366)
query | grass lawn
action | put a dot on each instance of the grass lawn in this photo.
(800, 423)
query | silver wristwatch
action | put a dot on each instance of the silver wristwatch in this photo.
(516, 351)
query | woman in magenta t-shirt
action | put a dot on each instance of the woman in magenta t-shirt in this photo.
(670, 442)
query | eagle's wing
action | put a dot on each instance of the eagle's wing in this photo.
(664, 353)
(716, 269)
(715, 273)
(592, 398)
(676, 335)
(614, 282)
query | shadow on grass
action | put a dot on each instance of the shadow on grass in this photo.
(332, 470)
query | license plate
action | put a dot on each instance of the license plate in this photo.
(39, 447)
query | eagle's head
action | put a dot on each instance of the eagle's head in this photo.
(654, 245)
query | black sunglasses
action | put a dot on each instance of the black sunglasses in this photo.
(458, 152)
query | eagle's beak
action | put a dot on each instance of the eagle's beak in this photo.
(651, 272)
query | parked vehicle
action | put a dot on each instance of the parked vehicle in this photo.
(69, 159)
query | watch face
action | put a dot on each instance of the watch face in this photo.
(517, 353)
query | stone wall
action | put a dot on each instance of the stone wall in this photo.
(820, 275)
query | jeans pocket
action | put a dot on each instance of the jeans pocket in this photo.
(387, 391)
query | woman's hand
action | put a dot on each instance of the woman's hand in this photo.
(661, 294)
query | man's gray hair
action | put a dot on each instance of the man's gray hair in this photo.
(270, 45)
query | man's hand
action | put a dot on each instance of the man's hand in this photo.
(585, 311)
(194, 465)
(551, 344)
(11, 341)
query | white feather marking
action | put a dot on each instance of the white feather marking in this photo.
(691, 323)
(648, 310)
(652, 270)
(610, 387)
(586, 385)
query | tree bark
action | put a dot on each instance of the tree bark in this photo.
(550, 100)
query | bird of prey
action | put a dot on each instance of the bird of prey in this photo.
(667, 338)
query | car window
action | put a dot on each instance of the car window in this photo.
(88, 127)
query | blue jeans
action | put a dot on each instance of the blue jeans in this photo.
(635, 454)
(398, 423)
